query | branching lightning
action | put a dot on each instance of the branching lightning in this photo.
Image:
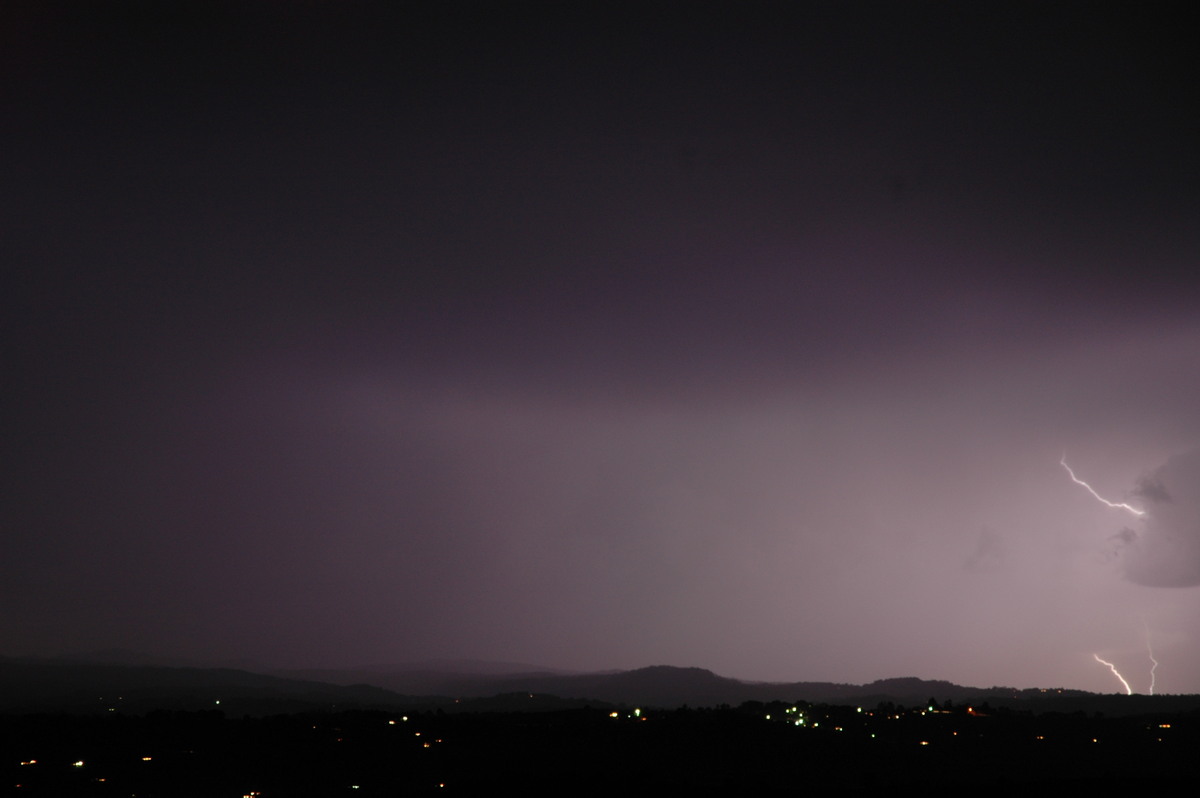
(1149, 647)
(1078, 481)
(1113, 668)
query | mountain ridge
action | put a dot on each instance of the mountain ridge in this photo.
(76, 685)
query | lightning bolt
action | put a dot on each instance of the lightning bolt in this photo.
(1139, 514)
(1113, 668)
(1115, 505)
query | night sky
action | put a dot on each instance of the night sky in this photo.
(747, 337)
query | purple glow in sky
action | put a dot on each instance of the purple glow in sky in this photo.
(748, 339)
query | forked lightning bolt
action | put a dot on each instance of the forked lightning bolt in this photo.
(1153, 661)
(1149, 648)
(1113, 668)
(1078, 481)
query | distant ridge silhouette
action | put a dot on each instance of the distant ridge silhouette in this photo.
(34, 685)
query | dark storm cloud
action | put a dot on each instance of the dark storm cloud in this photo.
(1152, 490)
(1166, 552)
(1118, 543)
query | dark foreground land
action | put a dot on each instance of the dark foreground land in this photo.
(756, 748)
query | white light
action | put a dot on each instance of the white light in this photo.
(1115, 505)
(1153, 661)
(1113, 668)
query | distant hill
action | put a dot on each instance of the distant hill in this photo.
(669, 686)
(72, 685)
(75, 685)
(431, 678)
